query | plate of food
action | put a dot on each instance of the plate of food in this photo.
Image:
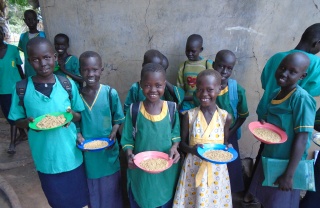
(152, 161)
(51, 121)
(217, 153)
(267, 133)
(96, 144)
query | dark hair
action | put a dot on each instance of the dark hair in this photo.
(31, 12)
(195, 37)
(209, 72)
(312, 33)
(152, 67)
(88, 54)
(37, 41)
(61, 35)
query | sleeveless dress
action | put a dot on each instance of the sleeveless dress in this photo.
(201, 183)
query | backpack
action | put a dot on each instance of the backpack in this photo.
(233, 97)
(135, 107)
(21, 88)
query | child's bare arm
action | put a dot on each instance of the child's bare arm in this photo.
(299, 144)
(80, 138)
(73, 76)
(237, 125)
(185, 135)
(24, 122)
(114, 130)
(130, 157)
(226, 129)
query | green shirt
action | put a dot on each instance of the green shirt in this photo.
(310, 83)
(72, 66)
(96, 122)
(53, 151)
(135, 94)
(154, 133)
(9, 73)
(24, 39)
(187, 77)
(295, 113)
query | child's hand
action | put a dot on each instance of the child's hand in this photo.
(69, 110)
(30, 120)
(80, 138)
(131, 164)
(285, 182)
(194, 149)
(113, 135)
(174, 154)
(262, 121)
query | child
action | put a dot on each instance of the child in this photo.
(292, 109)
(101, 118)
(31, 20)
(68, 65)
(236, 106)
(189, 69)
(10, 73)
(155, 131)
(172, 93)
(57, 159)
(201, 183)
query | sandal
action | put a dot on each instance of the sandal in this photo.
(253, 201)
(11, 150)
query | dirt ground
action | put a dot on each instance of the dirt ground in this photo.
(24, 178)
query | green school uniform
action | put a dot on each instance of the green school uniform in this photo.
(187, 76)
(96, 122)
(135, 94)
(72, 66)
(310, 83)
(53, 151)
(295, 113)
(24, 38)
(9, 73)
(154, 133)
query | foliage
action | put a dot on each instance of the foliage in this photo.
(15, 17)
(19, 2)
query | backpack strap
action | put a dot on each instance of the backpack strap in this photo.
(134, 109)
(184, 66)
(66, 84)
(207, 64)
(233, 97)
(21, 88)
(172, 106)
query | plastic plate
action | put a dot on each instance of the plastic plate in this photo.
(280, 132)
(68, 116)
(316, 138)
(138, 158)
(208, 147)
(81, 146)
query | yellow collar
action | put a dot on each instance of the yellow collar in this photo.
(155, 118)
(283, 99)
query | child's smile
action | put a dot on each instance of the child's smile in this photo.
(153, 85)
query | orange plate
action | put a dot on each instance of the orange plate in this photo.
(280, 132)
(138, 158)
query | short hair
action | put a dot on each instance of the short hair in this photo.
(195, 37)
(88, 54)
(149, 54)
(152, 67)
(312, 33)
(209, 72)
(61, 35)
(165, 62)
(31, 11)
(225, 52)
(37, 41)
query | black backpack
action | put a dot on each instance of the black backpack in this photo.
(21, 88)
(135, 107)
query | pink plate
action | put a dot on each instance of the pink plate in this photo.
(280, 132)
(138, 158)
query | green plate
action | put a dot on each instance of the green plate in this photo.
(68, 116)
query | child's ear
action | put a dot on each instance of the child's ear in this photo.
(102, 68)
(201, 49)
(303, 76)
(55, 56)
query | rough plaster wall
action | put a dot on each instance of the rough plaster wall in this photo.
(122, 30)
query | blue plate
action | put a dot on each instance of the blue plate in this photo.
(207, 147)
(81, 146)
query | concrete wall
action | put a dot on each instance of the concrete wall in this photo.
(122, 30)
